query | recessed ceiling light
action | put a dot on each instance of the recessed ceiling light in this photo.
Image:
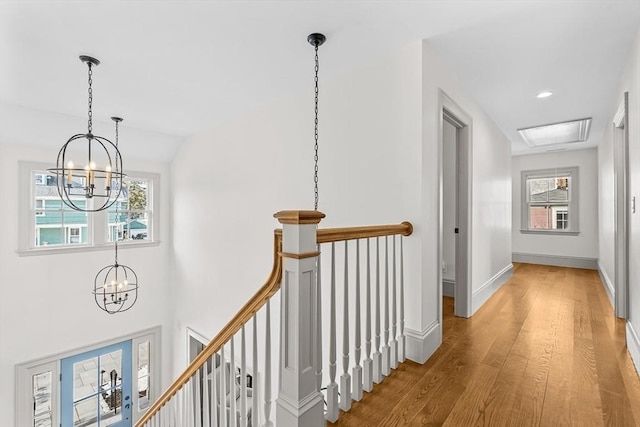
(544, 94)
(557, 133)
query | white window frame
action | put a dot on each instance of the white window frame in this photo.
(97, 229)
(572, 203)
(25, 371)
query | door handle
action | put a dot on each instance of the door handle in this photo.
(456, 230)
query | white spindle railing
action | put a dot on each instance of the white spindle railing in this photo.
(368, 363)
(394, 320)
(403, 348)
(345, 378)
(357, 369)
(267, 369)
(213, 391)
(377, 356)
(332, 388)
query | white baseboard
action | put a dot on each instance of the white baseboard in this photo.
(448, 287)
(421, 345)
(608, 285)
(480, 296)
(633, 344)
(556, 260)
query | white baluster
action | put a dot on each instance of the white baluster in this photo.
(168, 416)
(403, 349)
(377, 356)
(232, 387)
(206, 403)
(332, 388)
(345, 378)
(214, 390)
(187, 408)
(318, 325)
(190, 402)
(368, 363)
(267, 368)
(182, 408)
(357, 369)
(394, 318)
(196, 407)
(223, 388)
(386, 359)
(255, 410)
(243, 379)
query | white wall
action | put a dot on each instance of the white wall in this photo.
(490, 191)
(629, 82)
(46, 305)
(378, 136)
(230, 181)
(585, 245)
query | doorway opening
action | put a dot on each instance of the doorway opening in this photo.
(454, 256)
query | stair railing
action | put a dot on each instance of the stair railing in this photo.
(214, 390)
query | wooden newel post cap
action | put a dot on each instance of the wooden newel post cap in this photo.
(299, 217)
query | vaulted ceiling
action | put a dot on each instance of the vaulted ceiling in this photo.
(175, 68)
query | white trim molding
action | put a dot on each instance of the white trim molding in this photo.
(448, 287)
(422, 344)
(556, 260)
(607, 284)
(481, 296)
(633, 344)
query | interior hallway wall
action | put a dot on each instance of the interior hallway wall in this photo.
(629, 82)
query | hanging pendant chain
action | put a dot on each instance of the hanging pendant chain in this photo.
(315, 158)
(90, 126)
(117, 210)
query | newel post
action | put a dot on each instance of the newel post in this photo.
(299, 402)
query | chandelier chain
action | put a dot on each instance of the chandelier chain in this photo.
(90, 125)
(117, 211)
(315, 158)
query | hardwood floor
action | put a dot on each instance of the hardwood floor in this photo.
(545, 350)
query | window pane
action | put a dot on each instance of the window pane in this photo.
(561, 217)
(539, 217)
(110, 407)
(85, 378)
(539, 189)
(57, 224)
(43, 420)
(132, 220)
(42, 393)
(549, 217)
(143, 375)
(137, 193)
(84, 413)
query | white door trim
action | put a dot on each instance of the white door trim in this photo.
(449, 110)
(621, 207)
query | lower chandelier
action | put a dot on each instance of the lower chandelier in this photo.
(115, 287)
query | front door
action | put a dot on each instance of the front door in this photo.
(96, 388)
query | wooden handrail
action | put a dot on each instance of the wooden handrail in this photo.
(271, 286)
(328, 235)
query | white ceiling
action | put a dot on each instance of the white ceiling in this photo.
(175, 68)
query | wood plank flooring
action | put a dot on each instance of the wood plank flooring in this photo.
(545, 350)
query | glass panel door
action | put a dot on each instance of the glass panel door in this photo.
(96, 388)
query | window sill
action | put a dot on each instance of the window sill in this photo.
(84, 248)
(552, 232)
